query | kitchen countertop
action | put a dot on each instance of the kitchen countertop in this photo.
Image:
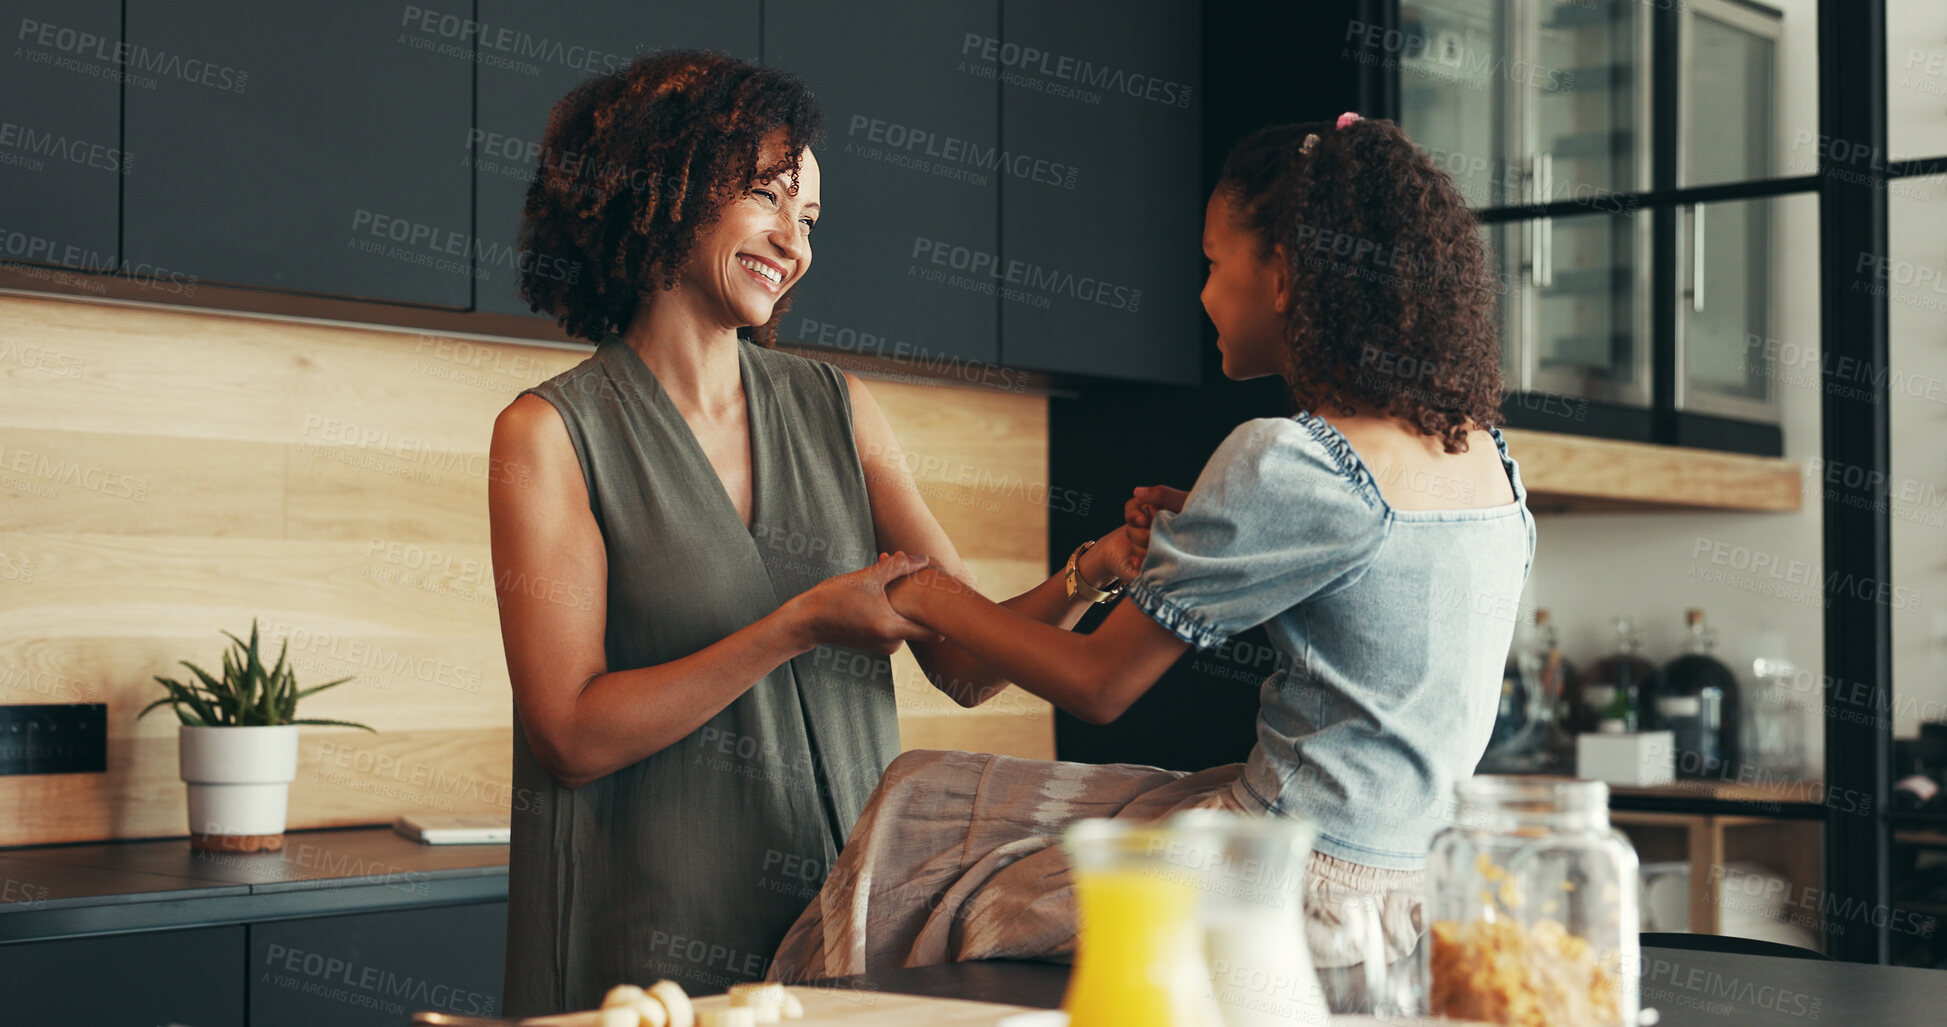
(1686, 987)
(65, 891)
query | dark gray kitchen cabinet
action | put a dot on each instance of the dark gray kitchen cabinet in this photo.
(908, 258)
(377, 968)
(315, 148)
(61, 158)
(1104, 267)
(157, 977)
(584, 40)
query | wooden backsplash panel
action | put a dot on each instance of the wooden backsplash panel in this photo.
(165, 473)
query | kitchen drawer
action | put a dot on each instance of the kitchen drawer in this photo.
(377, 968)
(157, 977)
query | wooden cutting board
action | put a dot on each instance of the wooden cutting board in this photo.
(850, 1007)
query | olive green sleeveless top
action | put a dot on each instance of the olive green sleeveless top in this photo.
(692, 863)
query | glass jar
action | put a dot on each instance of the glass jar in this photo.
(1533, 907)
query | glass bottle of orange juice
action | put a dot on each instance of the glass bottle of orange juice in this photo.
(1139, 959)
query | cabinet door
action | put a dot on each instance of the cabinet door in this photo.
(377, 969)
(1584, 307)
(1524, 101)
(1452, 103)
(1587, 88)
(1580, 85)
(1103, 267)
(1732, 266)
(1531, 102)
(302, 147)
(516, 96)
(154, 977)
(61, 157)
(1728, 116)
(1729, 122)
(907, 251)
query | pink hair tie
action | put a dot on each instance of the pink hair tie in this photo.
(1348, 118)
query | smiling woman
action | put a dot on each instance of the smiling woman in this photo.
(625, 232)
(711, 719)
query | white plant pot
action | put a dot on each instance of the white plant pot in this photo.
(239, 782)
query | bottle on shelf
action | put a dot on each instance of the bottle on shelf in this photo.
(1696, 699)
(1774, 736)
(1530, 735)
(1612, 693)
(1551, 745)
(1507, 744)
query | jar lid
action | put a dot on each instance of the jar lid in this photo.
(1536, 792)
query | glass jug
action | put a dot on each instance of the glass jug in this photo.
(1253, 915)
(1533, 907)
(1139, 957)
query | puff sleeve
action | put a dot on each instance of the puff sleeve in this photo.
(1281, 513)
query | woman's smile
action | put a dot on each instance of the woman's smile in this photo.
(767, 272)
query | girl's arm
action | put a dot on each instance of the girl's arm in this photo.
(903, 522)
(1095, 676)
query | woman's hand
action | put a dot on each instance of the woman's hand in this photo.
(904, 594)
(851, 609)
(1140, 512)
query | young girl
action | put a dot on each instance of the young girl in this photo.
(1380, 534)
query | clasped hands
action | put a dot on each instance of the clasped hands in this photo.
(874, 608)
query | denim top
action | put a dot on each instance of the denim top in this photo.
(1391, 628)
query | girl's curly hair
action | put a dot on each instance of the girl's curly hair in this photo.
(635, 163)
(1392, 300)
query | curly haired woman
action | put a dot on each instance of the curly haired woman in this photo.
(1380, 534)
(684, 540)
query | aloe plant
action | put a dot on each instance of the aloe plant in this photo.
(247, 695)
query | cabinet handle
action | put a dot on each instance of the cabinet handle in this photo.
(1545, 227)
(1697, 258)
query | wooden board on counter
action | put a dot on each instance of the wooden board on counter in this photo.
(848, 1006)
(1574, 474)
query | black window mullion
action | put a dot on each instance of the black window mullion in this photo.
(1666, 85)
(1917, 166)
(1855, 435)
(1619, 203)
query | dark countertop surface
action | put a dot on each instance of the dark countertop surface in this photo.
(1685, 987)
(69, 890)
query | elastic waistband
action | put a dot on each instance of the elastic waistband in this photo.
(1359, 877)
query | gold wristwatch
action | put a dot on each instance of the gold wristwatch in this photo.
(1079, 586)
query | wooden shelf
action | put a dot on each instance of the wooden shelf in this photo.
(1730, 791)
(1920, 838)
(1573, 474)
(1709, 843)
